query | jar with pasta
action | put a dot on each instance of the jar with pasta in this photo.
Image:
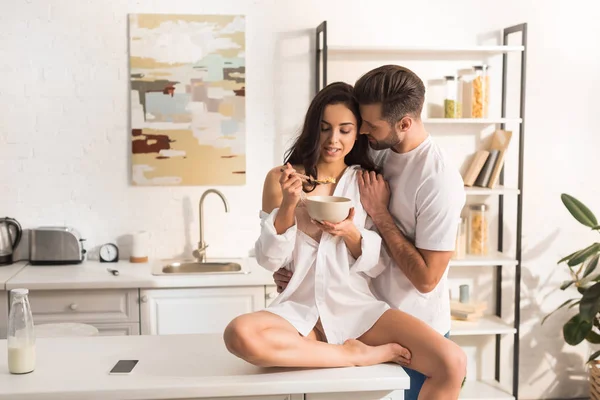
(453, 99)
(480, 92)
(478, 230)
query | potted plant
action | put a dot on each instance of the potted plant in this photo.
(585, 325)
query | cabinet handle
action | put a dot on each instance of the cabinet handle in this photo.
(272, 295)
(73, 306)
(144, 299)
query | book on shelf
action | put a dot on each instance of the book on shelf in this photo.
(474, 169)
(500, 142)
(471, 311)
(486, 165)
(486, 172)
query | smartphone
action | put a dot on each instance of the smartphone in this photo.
(123, 367)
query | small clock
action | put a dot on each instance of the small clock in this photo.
(109, 253)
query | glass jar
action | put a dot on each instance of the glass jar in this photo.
(461, 240)
(453, 99)
(21, 337)
(480, 92)
(478, 230)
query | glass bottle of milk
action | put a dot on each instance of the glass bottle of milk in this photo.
(21, 336)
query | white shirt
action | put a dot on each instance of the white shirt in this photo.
(327, 282)
(427, 196)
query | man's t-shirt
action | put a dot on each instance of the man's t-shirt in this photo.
(427, 196)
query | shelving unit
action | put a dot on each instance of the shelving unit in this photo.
(484, 390)
(493, 259)
(492, 325)
(478, 121)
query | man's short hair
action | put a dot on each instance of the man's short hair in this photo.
(399, 91)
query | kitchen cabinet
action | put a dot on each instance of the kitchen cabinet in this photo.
(3, 314)
(118, 329)
(270, 294)
(111, 311)
(196, 310)
(276, 397)
(379, 395)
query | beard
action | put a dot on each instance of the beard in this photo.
(392, 139)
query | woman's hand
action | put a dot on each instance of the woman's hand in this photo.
(291, 186)
(346, 230)
(343, 229)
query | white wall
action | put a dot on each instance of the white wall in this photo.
(64, 139)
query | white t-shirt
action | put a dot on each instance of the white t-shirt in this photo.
(427, 196)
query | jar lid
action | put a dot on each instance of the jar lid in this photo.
(20, 291)
(481, 67)
(451, 77)
(481, 207)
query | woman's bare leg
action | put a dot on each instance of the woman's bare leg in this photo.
(267, 340)
(441, 360)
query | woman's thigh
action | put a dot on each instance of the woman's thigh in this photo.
(426, 345)
(261, 320)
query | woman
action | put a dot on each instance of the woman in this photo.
(327, 316)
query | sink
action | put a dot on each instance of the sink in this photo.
(192, 267)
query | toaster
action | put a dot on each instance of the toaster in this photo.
(55, 245)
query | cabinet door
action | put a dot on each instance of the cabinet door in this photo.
(118, 329)
(3, 314)
(270, 294)
(274, 397)
(201, 310)
(378, 395)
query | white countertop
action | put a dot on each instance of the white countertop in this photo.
(8, 271)
(93, 275)
(173, 367)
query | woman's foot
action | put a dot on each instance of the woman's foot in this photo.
(361, 354)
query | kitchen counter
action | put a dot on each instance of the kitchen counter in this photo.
(8, 271)
(93, 275)
(177, 367)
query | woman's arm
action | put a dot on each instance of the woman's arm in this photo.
(273, 198)
(277, 239)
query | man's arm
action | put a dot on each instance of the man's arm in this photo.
(440, 201)
(424, 268)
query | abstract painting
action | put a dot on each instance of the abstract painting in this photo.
(188, 91)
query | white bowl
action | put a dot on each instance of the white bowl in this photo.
(332, 209)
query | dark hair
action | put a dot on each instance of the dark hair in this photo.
(305, 150)
(399, 90)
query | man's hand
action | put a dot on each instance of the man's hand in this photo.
(374, 193)
(282, 277)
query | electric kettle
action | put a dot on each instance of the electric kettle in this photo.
(9, 240)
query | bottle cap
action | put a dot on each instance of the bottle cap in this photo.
(21, 292)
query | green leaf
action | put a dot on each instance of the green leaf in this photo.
(568, 257)
(566, 284)
(593, 356)
(574, 304)
(559, 307)
(579, 211)
(596, 228)
(576, 329)
(584, 254)
(591, 265)
(581, 289)
(593, 337)
(590, 303)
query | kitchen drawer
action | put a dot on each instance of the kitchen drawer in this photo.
(85, 305)
(378, 395)
(120, 329)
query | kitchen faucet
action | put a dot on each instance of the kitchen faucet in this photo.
(200, 252)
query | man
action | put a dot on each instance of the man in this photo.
(416, 204)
